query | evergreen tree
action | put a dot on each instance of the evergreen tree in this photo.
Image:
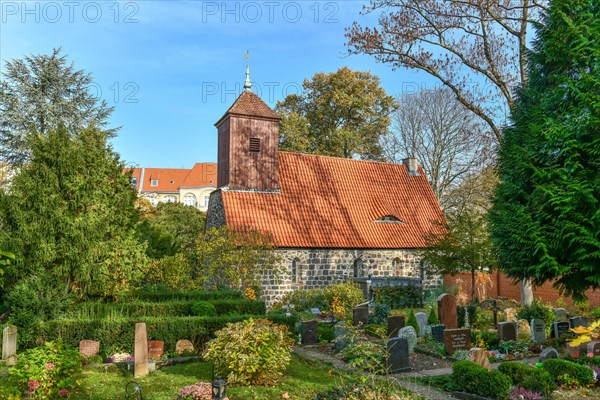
(69, 216)
(40, 92)
(545, 220)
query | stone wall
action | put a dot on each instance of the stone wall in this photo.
(215, 216)
(324, 267)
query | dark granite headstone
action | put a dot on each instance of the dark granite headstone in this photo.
(447, 310)
(578, 321)
(394, 324)
(538, 330)
(310, 332)
(547, 353)
(360, 316)
(398, 358)
(594, 348)
(437, 332)
(507, 331)
(560, 329)
(457, 339)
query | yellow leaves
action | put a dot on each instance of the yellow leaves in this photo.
(581, 330)
(586, 334)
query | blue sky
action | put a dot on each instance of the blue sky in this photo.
(172, 68)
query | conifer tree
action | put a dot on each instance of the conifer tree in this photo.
(545, 220)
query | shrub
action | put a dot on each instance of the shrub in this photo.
(359, 391)
(326, 332)
(412, 321)
(202, 308)
(567, 372)
(485, 339)
(475, 379)
(304, 300)
(432, 317)
(522, 393)
(348, 293)
(47, 371)
(595, 312)
(381, 314)
(229, 306)
(534, 379)
(399, 296)
(537, 310)
(160, 294)
(197, 391)
(251, 352)
(483, 320)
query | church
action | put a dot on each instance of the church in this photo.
(330, 219)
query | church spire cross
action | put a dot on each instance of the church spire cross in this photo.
(247, 84)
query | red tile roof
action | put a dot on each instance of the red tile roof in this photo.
(328, 202)
(171, 179)
(250, 105)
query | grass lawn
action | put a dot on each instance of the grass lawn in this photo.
(303, 380)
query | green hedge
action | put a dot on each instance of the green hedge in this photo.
(475, 379)
(399, 296)
(534, 379)
(197, 295)
(559, 368)
(170, 308)
(118, 334)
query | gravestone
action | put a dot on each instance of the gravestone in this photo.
(340, 335)
(398, 355)
(594, 348)
(560, 314)
(184, 346)
(315, 311)
(394, 324)
(422, 322)
(140, 354)
(507, 331)
(479, 356)
(578, 321)
(408, 333)
(310, 332)
(360, 316)
(547, 353)
(510, 315)
(89, 348)
(9, 345)
(121, 357)
(560, 329)
(437, 332)
(538, 330)
(457, 339)
(574, 351)
(447, 310)
(156, 348)
(427, 331)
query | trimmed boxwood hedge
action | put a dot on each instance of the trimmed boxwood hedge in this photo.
(534, 379)
(118, 334)
(475, 379)
(197, 295)
(559, 368)
(170, 308)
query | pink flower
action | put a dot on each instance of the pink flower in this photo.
(33, 384)
(63, 393)
(590, 355)
(49, 366)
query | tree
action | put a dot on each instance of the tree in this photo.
(340, 114)
(238, 259)
(545, 220)
(464, 246)
(40, 92)
(69, 216)
(442, 134)
(477, 49)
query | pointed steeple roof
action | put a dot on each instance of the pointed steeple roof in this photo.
(250, 105)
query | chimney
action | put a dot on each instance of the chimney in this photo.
(411, 164)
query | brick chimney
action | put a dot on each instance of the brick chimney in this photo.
(412, 165)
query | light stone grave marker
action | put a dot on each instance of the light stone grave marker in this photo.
(422, 322)
(140, 354)
(408, 333)
(538, 331)
(89, 348)
(9, 345)
(184, 346)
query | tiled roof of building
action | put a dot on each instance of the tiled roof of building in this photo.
(171, 179)
(201, 174)
(328, 202)
(250, 105)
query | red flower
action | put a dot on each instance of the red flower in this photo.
(63, 393)
(49, 366)
(33, 384)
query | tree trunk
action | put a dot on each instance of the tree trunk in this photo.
(526, 293)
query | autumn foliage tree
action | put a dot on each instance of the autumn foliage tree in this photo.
(475, 48)
(340, 114)
(545, 218)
